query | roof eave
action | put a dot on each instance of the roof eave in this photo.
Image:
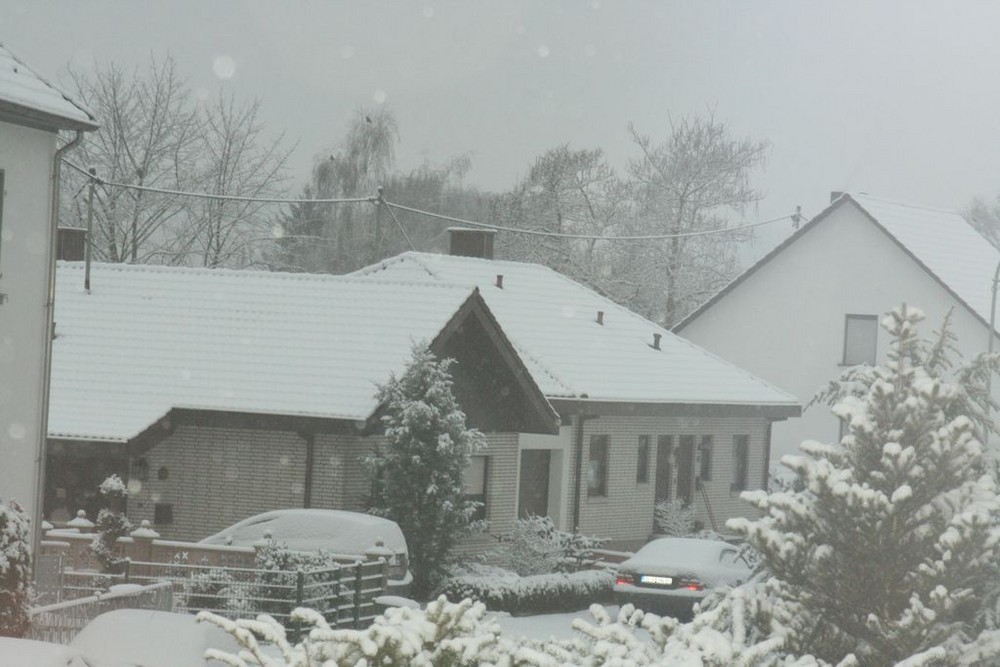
(19, 114)
(771, 411)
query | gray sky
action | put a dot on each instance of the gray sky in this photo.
(896, 99)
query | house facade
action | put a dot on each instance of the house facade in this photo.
(221, 394)
(32, 112)
(646, 415)
(811, 308)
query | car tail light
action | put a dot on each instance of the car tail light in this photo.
(694, 586)
(625, 578)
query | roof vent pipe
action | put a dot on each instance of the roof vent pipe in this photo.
(600, 317)
(656, 341)
(500, 280)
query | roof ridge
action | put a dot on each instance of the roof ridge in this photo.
(885, 200)
(318, 278)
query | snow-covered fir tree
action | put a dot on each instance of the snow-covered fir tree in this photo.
(15, 570)
(418, 474)
(111, 524)
(888, 548)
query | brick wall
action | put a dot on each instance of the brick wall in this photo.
(215, 477)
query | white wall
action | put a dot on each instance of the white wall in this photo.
(785, 322)
(26, 159)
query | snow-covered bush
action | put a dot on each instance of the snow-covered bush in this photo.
(887, 548)
(15, 570)
(218, 591)
(675, 518)
(277, 575)
(111, 524)
(419, 474)
(535, 546)
(502, 590)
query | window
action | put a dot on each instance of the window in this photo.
(705, 458)
(474, 484)
(140, 469)
(741, 453)
(597, 473)
(860, 337)
(642, 468)
(163, 513)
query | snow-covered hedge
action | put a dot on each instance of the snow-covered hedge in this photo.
(501, 590)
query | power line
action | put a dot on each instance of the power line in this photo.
(589, 237)
(208, 195)
(795, 217)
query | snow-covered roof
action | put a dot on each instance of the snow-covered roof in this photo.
(942, 241)
(148, 339)
(28, 96)
(551, 321)
(945, 243)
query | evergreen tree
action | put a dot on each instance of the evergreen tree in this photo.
(888, 548)
(15, 570)
(419, 474)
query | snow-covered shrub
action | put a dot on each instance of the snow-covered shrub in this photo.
(535, 546)
(277, 576)
(419, 475)
(217, 591)
(675, 518)
(502, 590)
(15, 570)
(111, 524)
(887, 549)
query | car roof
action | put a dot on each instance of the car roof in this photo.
(336, 531)
(150, 638)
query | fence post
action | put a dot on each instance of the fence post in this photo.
(340, 595)
(300, 583)
(128, 570)
(358, 571)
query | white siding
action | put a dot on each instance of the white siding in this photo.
(785, 322)
(26, 161)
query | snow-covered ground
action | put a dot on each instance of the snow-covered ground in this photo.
(546, 626)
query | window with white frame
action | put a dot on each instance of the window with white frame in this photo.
(860, 339)
(741, 462)
(597, 473)
(474, 483)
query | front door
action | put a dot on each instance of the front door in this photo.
(685, 469)
(533, 496)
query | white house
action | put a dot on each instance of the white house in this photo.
(646, 414)
(811, 307)
(32, 112)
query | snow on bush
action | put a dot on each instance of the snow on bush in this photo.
(502, 590)
(111, 524)
(15, 570)
(535, 546)
(462, 634)
(675, 518)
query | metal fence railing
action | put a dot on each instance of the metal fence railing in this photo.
(344, 594)
(60, 622)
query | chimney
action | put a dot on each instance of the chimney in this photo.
(71, 243)
(467, 242)
(835, 195)
(600, 317)
(656, 341)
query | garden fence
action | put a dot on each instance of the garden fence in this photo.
(60, 622)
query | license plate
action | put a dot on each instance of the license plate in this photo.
(653, 579)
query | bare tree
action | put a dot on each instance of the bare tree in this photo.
(985, 217)
(147, 137)
(234, 159)
(687, 184)
(566, 191)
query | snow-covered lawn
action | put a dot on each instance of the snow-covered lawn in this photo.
(546, 626)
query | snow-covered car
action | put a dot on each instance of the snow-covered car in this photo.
(23, 652)
(338, 532)
(147, 638)
(671, 574)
